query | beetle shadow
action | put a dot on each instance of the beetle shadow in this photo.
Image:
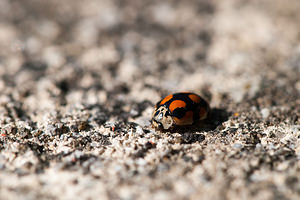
(215, 118)
(192, 133)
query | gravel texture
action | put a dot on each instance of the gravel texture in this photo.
(78, 81)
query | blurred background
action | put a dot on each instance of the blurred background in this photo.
(148, 48)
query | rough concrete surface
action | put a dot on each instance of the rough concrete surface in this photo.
(78, 81)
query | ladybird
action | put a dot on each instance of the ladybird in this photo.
(179, 109)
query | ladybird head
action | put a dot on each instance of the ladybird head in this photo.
(161, 118)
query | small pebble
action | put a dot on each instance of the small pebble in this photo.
(265, 112)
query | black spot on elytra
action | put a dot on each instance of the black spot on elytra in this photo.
(179, 112)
